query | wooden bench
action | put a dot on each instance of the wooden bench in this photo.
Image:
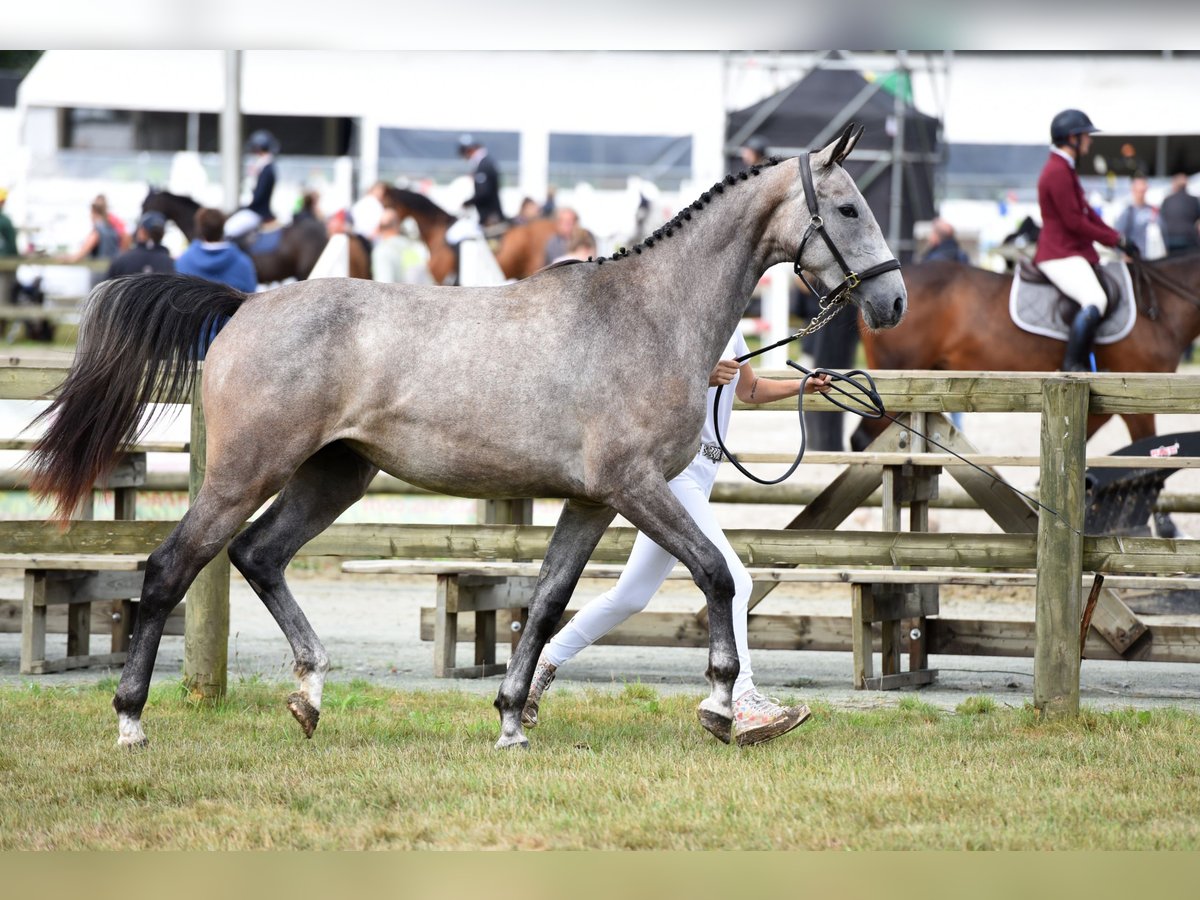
(76, 581)
(882, 601)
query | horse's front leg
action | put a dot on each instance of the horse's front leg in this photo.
(655, 510)
(580, 527)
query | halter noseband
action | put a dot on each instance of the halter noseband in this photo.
(816, 225)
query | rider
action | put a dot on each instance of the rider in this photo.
(264, 147)
(486, 198)
(1069, 227)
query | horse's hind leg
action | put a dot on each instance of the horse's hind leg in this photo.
(170, 569)
(657, 512)
(322, 488)
(579, 529)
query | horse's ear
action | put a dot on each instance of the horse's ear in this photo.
(839, 149)
(850, 144)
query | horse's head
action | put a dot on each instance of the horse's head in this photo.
(841, 225)
(179, 209)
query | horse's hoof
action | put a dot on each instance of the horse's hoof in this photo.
(717, 724)
(515, 742)
(129, 732)
(306, 714)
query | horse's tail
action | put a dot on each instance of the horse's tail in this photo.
(139, 341)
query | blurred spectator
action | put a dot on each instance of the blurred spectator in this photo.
(486, 198)
(124, 242)
(308, 208)
(1180, 215)
(583, 246)
(102, 241)
(754, 150)
(566, 229)
(264, 147)
(8, 234)
(398, 258)
(943, 243)
(1135, 220)
(148, 255)
(211, 256)
(528, 212)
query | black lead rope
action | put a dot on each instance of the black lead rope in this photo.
(869, 405)
(865, 403)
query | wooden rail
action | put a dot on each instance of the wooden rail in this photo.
(1064, 554)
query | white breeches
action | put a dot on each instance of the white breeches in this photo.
(241, 222)
(1075, 277)
(647, 569)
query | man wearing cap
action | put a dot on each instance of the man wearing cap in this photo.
(1070, 227)
(148, 254)
(486, 198)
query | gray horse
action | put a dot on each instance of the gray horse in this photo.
(584, 381)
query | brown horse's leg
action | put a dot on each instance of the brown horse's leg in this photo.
(1140, 425)
(322, 488)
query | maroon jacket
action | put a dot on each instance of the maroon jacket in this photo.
(1069, 225)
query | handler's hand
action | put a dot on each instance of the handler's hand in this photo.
(724, 372)
(817, 384)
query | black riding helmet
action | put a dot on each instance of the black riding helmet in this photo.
(1069, 123)
(262, 141)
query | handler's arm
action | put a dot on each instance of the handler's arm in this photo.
(752, 389)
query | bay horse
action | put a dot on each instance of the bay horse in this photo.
(521, 250)
(958, 319)
(300, 244)
(542, 403)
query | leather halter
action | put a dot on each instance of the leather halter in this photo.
(816, 225)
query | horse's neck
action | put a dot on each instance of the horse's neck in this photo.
(698, 282)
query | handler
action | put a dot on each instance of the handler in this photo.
(1065, 252)
(756, 718)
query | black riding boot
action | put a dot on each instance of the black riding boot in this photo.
(1079, 342)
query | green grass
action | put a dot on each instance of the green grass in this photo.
(633, 770)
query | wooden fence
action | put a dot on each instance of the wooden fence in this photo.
(1054, 545)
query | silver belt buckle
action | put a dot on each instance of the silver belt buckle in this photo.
(711, 451)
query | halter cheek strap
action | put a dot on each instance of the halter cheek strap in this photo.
(816, 225)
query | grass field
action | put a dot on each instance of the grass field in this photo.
(393, 769)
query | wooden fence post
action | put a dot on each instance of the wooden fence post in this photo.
(1060, 546)
(504, 512)
(206, 616)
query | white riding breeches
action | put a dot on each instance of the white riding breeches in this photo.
(648, 568)
(1076, 278)
(241, 222)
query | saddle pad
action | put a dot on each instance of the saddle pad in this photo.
(1036, 308)
(267, 241)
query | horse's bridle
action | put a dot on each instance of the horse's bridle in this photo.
(832, 302)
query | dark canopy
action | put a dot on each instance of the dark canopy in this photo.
(796, 116)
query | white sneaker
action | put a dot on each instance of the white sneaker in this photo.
(757, 718)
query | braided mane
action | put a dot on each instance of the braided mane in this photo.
(685, 215)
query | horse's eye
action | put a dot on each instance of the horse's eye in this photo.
(848, 211)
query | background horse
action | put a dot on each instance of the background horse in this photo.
(521, 250)
(958, 319)
(548, 406)
(300, 243)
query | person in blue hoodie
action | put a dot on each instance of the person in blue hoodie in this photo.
(212, 257)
